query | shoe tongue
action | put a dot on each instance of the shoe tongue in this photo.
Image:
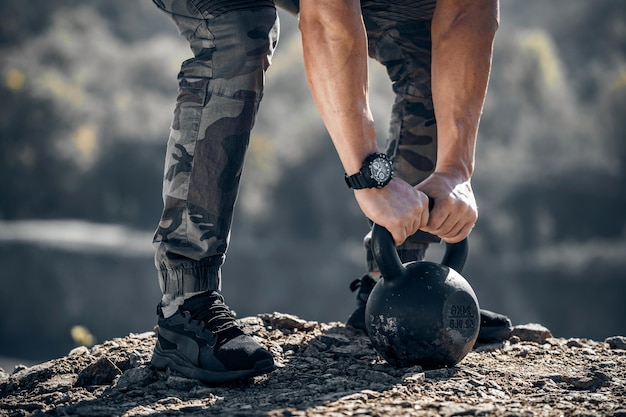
(199, 302)
(210, 307)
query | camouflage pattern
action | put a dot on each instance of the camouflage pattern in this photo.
(220, 89)
(399, 38)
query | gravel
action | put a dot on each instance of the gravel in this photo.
(326, 369)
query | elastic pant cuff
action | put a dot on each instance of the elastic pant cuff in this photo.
(198, 278)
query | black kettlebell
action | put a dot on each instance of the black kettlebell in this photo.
(421, 313)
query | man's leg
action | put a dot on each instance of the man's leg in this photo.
(220, 89)
(219, 93)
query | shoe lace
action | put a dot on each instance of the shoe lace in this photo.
(215, 314)
(365, 281)
(354, 285)
(365, 284)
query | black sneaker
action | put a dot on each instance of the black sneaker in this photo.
(203, 341)
(494, 327)
(365, 284)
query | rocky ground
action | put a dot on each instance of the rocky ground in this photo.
(329, 370)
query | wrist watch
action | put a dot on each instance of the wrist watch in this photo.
(376, 172)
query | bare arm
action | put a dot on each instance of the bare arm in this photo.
(462, 35)
(335, 58)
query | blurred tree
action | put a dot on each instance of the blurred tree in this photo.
(28, 156)
(19, 22)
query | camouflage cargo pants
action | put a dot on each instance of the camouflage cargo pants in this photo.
(220, 89)
(219, 93)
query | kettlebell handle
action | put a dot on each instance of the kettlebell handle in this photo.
(388, 261)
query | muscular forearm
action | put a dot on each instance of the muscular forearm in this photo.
(335, 58)
(462, 43)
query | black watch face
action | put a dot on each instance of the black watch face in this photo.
(380, 169)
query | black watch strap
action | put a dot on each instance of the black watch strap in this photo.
(364, 179)
(357, 181)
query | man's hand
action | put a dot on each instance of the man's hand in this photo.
(397, 207)
(454, 213)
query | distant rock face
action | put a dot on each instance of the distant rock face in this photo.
(328, 369)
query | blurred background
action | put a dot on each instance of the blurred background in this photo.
(87, 91)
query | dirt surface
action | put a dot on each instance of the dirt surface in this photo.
(329, 370)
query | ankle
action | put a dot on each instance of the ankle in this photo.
(171, 302)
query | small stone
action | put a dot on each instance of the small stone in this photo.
(169, 401)
(144, 335)
(101, 372)
(285, 321)
(331, 340)
(616, 342)
(135, 378)
(416, 369)
(414, 378)
(80, 350)
(589, 382)
(180, 383)
(532, 332)
(314, 348)
(19, 368)
(574, 343)
(58, 383)
(348, 351)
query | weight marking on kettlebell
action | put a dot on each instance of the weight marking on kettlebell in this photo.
(463, 310)
(460, 314)
(461, 324)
